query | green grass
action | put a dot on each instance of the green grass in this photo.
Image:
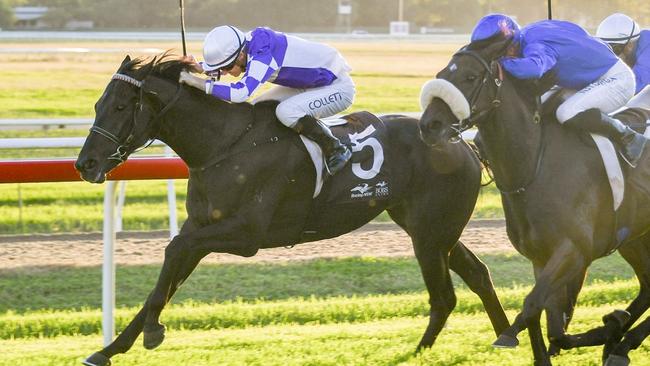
(52, 301)
(465, 341)
(324, 312)
(78, 206)
(75, 288)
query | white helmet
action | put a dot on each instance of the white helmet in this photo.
(221, 47)
(618, 28)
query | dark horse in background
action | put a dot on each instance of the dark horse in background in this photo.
(557, 201)
(251, 186)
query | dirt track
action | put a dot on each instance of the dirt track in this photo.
(377, 240)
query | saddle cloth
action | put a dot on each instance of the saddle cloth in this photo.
(363, 133)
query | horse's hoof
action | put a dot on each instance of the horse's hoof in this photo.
(542, 363)
(505, 341)
(421, 347)
(97, 359)
(616, 360)
(153, 336)
(554, 350)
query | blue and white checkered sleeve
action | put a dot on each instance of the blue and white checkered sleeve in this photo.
(258, 70)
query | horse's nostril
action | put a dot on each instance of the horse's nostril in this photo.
(85, 165)
(433, 125)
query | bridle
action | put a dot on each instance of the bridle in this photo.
(477, 114)
(123, 148)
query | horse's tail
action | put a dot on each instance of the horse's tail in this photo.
(485, 164)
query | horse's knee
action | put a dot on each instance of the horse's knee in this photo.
(532, 309)
(175, 248)
(444, 303)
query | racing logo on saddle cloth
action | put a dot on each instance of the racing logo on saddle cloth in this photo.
(366, 176)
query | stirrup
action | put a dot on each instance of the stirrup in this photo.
(337, 161)
(632, 160)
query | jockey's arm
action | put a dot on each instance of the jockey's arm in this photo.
(537, 59)
(258, 70)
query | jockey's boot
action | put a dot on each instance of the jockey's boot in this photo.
(336, 154)
(630, 144)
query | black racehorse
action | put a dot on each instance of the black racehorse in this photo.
(556, 198)
(251, 185)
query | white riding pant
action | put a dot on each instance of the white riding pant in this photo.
(610, 92)
(321, 102)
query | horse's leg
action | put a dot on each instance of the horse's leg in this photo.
(178, 265)
(508, 338)
(434, 264)
(632, 340)
(559, 312)
(477, 276)
(121, 344)
(556, 274)
(124, 341)
(182, 255)
(637, 254)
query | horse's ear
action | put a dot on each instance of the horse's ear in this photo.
(125, 62)
(497, 49)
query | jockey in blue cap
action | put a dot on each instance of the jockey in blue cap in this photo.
(577, 62)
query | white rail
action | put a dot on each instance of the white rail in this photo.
(49, 142)
(46, 122)
(77, 142)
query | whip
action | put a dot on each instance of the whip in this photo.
(183, 26)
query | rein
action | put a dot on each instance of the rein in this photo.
(254, 144)
(122, 150)
(476, 115)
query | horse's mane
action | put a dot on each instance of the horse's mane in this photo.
(166, 64)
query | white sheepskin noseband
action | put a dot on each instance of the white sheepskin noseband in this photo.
(440, 88)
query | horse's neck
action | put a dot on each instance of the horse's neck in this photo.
(512, 140)
(198, 134)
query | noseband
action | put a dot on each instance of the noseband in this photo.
(122, 150)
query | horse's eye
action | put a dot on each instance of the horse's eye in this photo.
(121, 107)
(471, 78)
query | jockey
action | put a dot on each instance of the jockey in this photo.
(312, 80)
(563, 51)
(630, 43)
